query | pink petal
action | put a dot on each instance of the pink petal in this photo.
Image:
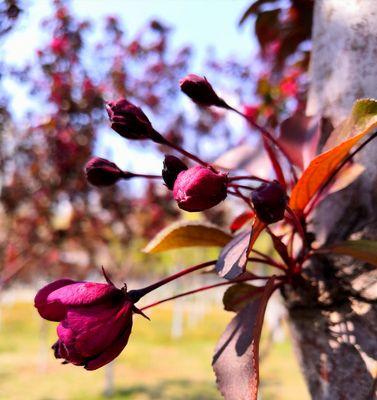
(96, 327)
(110, 353)
(84, 293)
(67, 347)
(53, 311)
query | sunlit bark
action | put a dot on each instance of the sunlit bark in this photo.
(334, 318)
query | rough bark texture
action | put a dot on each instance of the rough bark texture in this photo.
(333, 312)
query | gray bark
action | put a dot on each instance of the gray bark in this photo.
(333, 312)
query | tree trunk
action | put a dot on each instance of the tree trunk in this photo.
(333, 315)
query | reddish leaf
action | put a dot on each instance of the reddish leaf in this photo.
(363, 116)
(254, 8)
(267, 26)
(364, 250)
(241, 220)
(299, 137)
(274, 161)
(238, 295)
(320, 169)
(281, 248)
(346, 176)
(236, 359)
(233, 257)
(260, 166)
(237, 157)
(258, 227)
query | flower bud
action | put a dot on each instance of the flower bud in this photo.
(101, 172)
(199, 188)
(95, 320)
(269, 201)
(200, 91)
(130, 121)
(172, 167)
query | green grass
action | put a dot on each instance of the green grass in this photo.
(152, 367)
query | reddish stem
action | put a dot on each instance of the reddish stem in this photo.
(238, 194)
(249, 177)
(274, 161)
(236, 186)
(128, 175)
(272, 263)
(186, 153)
(269, 136)
(290, 244)
(139, 293)
(297, 223)
(203, 288)
(267, 257)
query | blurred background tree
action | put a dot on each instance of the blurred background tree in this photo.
(44, 198)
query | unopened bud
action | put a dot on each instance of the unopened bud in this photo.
(101, 172)
(130, 121)
(269, 201)
(172, 167)
(200, 91)
(199, 188)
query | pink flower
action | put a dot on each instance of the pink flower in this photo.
(95, 320)
(199, 188)
(200, 91)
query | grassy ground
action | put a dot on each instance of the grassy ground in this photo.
(153, 367)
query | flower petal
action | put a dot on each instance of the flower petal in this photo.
(110, 353)
(53, 311)
(84, 293)
(96, 327)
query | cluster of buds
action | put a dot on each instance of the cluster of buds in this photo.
(95, 319)
(196, 188)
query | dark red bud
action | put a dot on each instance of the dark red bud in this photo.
(200, 91)
(101, 172)
(172, 167)
(199, 188)
(269, 201)
(130, 121)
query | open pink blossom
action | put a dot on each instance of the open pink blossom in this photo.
(95, 320)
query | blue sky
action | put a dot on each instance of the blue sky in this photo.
(203, 23)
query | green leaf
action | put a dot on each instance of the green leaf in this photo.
(188, 234)
(364, 250)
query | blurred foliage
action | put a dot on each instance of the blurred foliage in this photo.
(52, 221)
